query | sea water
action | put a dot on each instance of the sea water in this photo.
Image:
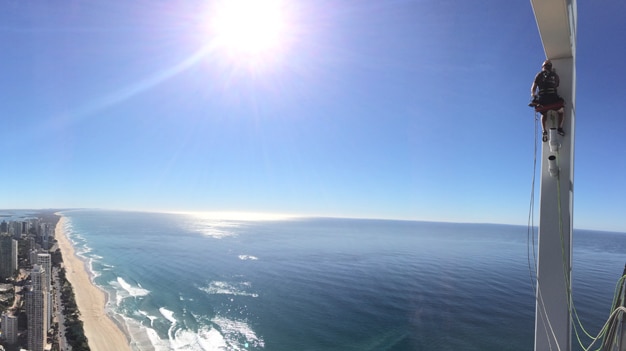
(187, 282)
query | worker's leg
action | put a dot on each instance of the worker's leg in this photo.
(561, 120)
(544, 132)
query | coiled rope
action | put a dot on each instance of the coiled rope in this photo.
(617, 313)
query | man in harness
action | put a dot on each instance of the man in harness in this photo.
(547, 98)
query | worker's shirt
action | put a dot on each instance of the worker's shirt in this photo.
(547, 81)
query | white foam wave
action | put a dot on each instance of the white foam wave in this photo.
(158, 343)
(128, 290)
(92, 271)
(211, 340)
(248, 258)
(133, 291)
(68, 227)
(80, 246)
(169, 315)
(144, 338)
(206, 339)
(150, 317)
(234, 330)
(181, 339)
(224, 288)
(224, 334)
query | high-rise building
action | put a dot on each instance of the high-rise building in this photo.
(16, 229)
(32, 256)
(44, 233)
(9, 328)
(4, 227)
(36, 310)
(45, 262)
(8, 256)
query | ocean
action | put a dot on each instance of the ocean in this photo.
(187, 282)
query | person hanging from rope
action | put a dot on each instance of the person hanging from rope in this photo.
(547, 98)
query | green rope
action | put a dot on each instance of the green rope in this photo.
(614, 307)
(566, 269)
(616, 313)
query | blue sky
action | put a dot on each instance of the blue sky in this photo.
(394, 109)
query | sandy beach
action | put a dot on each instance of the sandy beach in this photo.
(102, 333)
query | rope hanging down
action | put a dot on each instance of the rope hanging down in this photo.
(610, 331)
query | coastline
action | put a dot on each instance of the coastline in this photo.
(101, 331)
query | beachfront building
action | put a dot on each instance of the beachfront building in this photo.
(44, 261)
(36, 310)
(44, 233)
(9, 328)
(8, 256)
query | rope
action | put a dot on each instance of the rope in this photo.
(610, 328)
(530, 235)
(610, 323)
(609, 333)
(543, 314)
(566, 269)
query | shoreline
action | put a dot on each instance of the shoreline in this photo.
(102, 332)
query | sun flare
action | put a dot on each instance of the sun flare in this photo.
(250, 29)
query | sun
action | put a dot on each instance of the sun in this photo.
(251, 30)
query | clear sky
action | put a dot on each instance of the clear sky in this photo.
(358, 108)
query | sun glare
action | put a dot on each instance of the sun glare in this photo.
(237, 216)
(250, 29)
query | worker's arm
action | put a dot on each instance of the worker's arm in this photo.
(533, 88)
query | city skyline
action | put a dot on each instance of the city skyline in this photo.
(405, 110)
(27, 276)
